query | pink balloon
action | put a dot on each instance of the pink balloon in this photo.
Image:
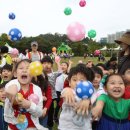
(14, 52)
(34, 98)
(82, 3)
(97, 52)
(76, 32)
(57, 59)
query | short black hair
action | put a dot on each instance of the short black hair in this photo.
(81, 68)
(7, 67)
(4, 49)
(97, 70)
(3, 85)
(47, 59)
(102, 65)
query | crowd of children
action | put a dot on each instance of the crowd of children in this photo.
(55, 97)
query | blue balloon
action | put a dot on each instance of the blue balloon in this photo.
(22, 126)
(11, 16)
(15, 34)
(84, 89)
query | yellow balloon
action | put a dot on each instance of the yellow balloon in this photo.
(35, 68)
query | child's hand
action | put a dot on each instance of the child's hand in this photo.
(82, 107)
(68, 96)
(96, 112)
(24, 104)
(11, 92)
(44, 112)
(44, 98)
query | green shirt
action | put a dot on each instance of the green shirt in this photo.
(116, 110)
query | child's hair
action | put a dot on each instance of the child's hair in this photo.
(42, 81)
(102, 65)
(97, 70)
(128, 68)
(7, 67)
(24, 60)
(47, 59)
(3, 85)
(81, 68)
(107, 78)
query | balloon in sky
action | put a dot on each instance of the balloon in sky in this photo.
(11, 16)
(34, 98)
(35, 68)
(76, 32)
(84, 89)
(82, 3)
(67, 11)
(97, 52)
(15, 34)
(92, 33)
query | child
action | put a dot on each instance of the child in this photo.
(42, 82)
(6, 73)
(78, 73)
(98, 89)
(3, 124)
(24, 107)
(114, 109)
(47, 65)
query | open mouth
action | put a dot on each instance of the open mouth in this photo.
(5, 77)
(24, 77)
(117, 91)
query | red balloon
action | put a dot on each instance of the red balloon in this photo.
(82, 3)
(97, 52)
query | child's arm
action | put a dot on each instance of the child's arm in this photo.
(70, 64)
(97, 110)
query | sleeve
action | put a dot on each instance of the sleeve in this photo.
(3, 62)
(102, 97)
(48, 95)
(36, 110)
(9, 113)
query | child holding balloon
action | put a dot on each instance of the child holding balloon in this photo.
(113, 108)
(26, 110)
(69, 108)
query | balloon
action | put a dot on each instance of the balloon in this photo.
(34, 98)
(82, 3)
(11, 16)
(92, 33)
(54, 49)
(76, 32)
(84, 89)
(97, 52)
(14, 52)
(22, 125)
(15, 34)
(67, 11)
(57, 59)
(35, 68)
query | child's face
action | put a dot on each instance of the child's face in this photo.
(64, 67)
(127, 76)
(6, 75)
(47, 66)
(22, 73)
(2, 94)
(75, 79)
(97, 80)
(115, 87)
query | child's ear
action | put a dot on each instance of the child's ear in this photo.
(105, 88)
(15, 74)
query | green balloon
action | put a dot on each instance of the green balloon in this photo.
(92, 33)
(67, 11)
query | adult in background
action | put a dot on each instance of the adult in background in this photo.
(124, 55)
(34, 55)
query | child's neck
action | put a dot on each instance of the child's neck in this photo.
(25, 88)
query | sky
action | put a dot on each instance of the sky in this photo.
(34, 17)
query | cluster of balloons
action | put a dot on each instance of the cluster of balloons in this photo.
(35, 68)
(92, 33)
(11, 16)
(15, 34)
(76, 32)
(67, 11)
(82, 3)
(84, 89)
